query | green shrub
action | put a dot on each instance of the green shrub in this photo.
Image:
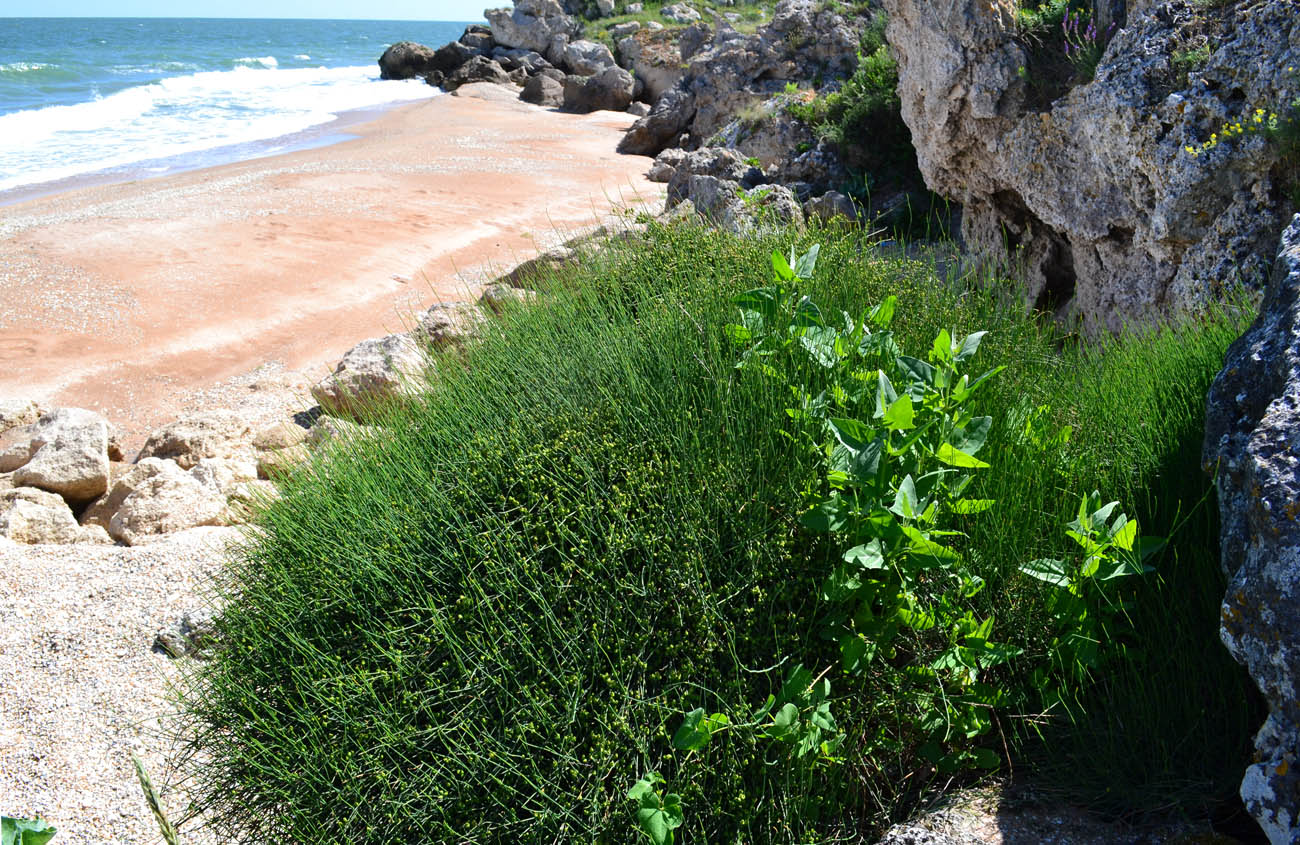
(482, 626)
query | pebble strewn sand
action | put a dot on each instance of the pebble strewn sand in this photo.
(82, 689)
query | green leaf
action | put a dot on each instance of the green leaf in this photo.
(796, 684)
(941, 351)
(971, 437)
(15, 831)
(972, 505)
(969, 345)
(738, 334)
(905, 500)
(866, 556)
(806, 313)
(1049, 570)
(986, 758)
(885, 394)
(965, 391)
(917, 370)
(819, 341)
(645, 786)
(883, 314)
(690, 735)
(781, 267)
(900, 415)
(805, 264)
(854, 434)
(923, 547)
(785, 721)
(957, 458)
(856, 652)
(1124, 533)
(827, 516)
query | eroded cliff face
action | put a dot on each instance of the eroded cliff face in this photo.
(1093, 193)
(1252, 445)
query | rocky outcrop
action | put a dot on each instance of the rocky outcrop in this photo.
(679, 13)
(499, 297)
(69, 455)
(1093, 192)
(406, 60)
(609, 90)
(1252, 445)
(476, 69)
(544, 91)
(538, 25)
(655, 57)
(587, 58)
(804, 41)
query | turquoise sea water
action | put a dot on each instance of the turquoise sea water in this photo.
(145, 96)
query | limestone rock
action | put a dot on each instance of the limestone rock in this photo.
(716, 162)
(543, 91)
(28, 515)
(170, 501)
(1251, 435)
(542, 270)
(477, 69)
(830, 206)
(692, 40)
(1092, 191)
(329, 429)
(405, 60)
(762, 208)
(17, 412)
(223, 475)
(193, 635)
(93, 535)
(100, 512)
(655, 58)
(209, 434)
(15, 448)
(604, 8)
(450, 324)
(478, 38)
(7, 481)
(69, 455)
(668, 118)
(620, 31)
(587, 58)
(679, 13)
(767, 133)
(279, 435)
(516, 59)
(372, 372)
(666, 164)
(279, 462)
(532, 25)
(500, 297)
(609, 90)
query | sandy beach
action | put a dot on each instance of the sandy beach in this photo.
(140, 300)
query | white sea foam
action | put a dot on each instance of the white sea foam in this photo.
(23, 67)
(303, 57)
(260, 61)
(185, 114)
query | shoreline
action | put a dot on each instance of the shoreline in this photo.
(326, 134)
(147, 299)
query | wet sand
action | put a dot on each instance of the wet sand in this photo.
(140, 300)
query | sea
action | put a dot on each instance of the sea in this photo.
(107, 99)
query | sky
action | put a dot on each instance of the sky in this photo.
(399, 10)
